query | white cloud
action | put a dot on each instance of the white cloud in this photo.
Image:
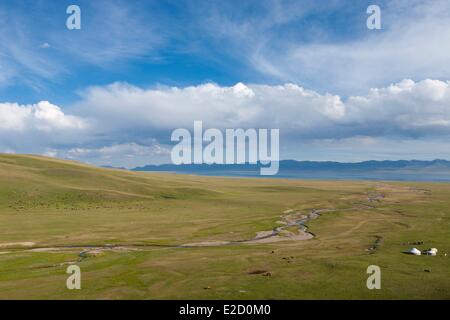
(33, 128)
(412, 44)
(411, 47)
(127, 150)
(112, 32)
(42, 116)
(126, 106)
(119, 155)
(121, 122)
(407, 108)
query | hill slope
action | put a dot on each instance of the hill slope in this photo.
(139, 206)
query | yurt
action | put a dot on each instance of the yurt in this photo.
(415, 252)
(431, 252)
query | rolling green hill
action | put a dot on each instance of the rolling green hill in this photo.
(139, 235)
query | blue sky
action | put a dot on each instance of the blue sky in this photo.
(337, 90)
(157, 42)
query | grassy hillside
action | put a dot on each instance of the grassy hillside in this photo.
(127, 231)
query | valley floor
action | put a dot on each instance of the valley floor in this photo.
(164, 236)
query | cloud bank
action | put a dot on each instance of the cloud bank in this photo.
(131, 125)
(404, 109)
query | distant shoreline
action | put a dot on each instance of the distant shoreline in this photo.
(291, 177)
(401, 170)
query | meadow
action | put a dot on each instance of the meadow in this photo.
(138, 235)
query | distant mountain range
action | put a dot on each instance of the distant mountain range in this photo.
(408, 170)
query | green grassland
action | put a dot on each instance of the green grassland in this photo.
(53, 213)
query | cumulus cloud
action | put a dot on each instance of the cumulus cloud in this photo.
(406, 108)
(121, 122)
(32, 128)
(43, 116)
(289, 105)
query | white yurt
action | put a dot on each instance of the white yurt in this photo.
(415, 252)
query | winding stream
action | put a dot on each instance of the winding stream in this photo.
(290, 219)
